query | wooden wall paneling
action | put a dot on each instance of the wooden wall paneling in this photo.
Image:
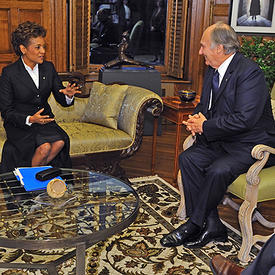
(220, 11)
(72, 37)
(85, 40)
(12, 13)
(26, 14)
(59, 34)
(4, 31)
(197, 25)
(6, 53)
(79, 35)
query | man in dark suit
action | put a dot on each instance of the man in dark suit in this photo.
(264, 263)
(234, 115)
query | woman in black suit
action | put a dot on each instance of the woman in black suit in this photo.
(33, 136)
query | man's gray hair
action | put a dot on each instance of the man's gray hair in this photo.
(225, 35)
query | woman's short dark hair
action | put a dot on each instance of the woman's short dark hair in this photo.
(23, 33)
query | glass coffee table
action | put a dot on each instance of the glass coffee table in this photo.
(94, 207)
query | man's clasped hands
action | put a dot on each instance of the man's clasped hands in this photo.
(194, 123)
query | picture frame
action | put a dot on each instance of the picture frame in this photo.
(252, 16)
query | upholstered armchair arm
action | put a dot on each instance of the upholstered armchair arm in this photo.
(257, 189)
(261, 153)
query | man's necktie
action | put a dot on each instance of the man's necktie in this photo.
(215, 85)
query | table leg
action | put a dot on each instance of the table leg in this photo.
(178, 134)
(154, 145)
(80, 259)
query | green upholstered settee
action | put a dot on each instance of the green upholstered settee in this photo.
(97, 146)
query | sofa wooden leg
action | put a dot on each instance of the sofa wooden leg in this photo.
(108, 163)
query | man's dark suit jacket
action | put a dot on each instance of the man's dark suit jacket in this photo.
(265, 260)
(242, 110)
(19, 98)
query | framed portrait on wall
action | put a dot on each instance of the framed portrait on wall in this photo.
(252, 16)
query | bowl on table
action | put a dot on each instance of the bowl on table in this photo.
(187, 95)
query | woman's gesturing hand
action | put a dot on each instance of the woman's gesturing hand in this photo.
(37, 118)
(70, 90)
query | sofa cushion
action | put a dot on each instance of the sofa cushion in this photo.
(86, 138)
(71, 113)
(104, 104)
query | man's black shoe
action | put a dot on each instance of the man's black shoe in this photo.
(179, 235)
(213, 231)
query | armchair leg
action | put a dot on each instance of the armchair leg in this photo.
(245, 221)
(181, 213)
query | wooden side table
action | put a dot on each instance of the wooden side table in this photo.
(176, 111)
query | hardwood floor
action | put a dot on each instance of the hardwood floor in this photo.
(140, 165)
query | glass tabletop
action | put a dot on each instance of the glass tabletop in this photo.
(94, 206)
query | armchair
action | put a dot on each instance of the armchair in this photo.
(257, 185)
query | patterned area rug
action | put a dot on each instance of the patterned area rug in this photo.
(137, 251)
